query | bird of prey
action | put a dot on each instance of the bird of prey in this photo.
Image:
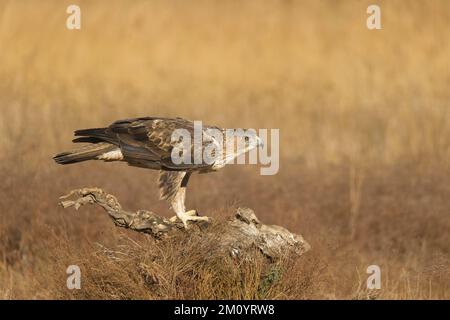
(148, 142)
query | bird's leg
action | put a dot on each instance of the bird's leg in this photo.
(184, 216)
(190, 213)
(180, 210)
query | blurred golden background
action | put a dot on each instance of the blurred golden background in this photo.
(363, 116)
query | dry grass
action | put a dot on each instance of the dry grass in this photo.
(365, 143)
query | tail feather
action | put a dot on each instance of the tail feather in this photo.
(87, 140)
(91, 132)
(88, 152)
(99, 134)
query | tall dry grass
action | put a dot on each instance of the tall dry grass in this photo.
(365, 142)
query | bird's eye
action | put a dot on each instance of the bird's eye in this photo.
(247, 139)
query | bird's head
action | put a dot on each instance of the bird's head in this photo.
(243, 140)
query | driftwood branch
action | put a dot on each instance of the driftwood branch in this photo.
(239, 234)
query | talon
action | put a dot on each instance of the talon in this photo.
(192, 213)
(185, 223)
(188, 216)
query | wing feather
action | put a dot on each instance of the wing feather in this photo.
(150, 140)
(144, 142)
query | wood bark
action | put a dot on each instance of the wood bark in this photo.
(238, 235)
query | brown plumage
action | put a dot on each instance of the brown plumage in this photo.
(147, 142)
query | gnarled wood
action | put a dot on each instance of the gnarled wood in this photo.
(239, 234)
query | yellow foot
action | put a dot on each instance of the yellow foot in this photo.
(191, 213)
(185, 217)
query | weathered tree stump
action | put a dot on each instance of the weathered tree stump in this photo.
(237, 235)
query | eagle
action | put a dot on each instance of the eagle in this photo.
(148, 142)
